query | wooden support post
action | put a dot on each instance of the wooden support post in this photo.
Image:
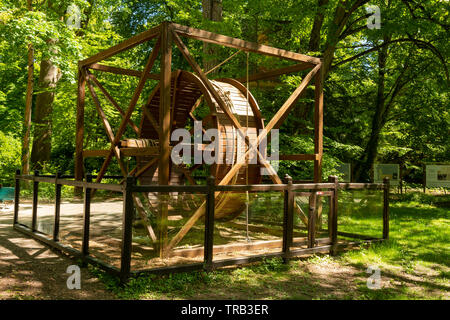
(79, 134)
(57, 207)
(209, 225)
(312, 220)
(16, 197)
(318, 136)
(288, 218)
(86, 217)
(35, 202)
(386, 188)
(332, 218)
(127, 229)
(165, 126)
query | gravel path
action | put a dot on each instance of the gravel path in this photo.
(30, 270)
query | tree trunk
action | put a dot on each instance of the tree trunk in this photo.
(28, 103)
(212, 10)
(48, 78)
(363, 168)
(314, 38)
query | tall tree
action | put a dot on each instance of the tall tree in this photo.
(212, 11)
(49, 76)
(28, 102)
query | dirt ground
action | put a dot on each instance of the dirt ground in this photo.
(30, 270)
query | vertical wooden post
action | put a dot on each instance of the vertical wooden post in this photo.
(288, 218)
(312, 220)
(35, 202)
(209, 224)
(79, 135)
(16, 197)
(332, 219)
(57, 207)
(386, 189)
(165, 126)
(318, 137)
(127, 228)
(86, 217)
(318, 125)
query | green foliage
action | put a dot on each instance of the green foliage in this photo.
(9, 157)
(417, 121)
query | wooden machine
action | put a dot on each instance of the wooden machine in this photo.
(232, 109)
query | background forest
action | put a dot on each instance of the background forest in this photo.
(386, 89)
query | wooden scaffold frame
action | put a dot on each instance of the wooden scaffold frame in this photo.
(168, 34)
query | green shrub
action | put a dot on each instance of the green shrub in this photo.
(10, 151)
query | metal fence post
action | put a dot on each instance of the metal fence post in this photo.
(86, 217)
(57, 207)
(35, 202)
(288, 218)
(16, 197)
(127, 228)
(386, 187)
(209, 224)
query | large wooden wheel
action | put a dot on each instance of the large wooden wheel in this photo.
(188, 95)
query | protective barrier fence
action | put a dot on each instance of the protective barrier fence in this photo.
(291, 246)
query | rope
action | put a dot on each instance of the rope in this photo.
(247, 200)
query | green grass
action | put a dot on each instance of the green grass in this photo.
(414, 264)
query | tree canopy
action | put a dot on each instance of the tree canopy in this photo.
(386, 89)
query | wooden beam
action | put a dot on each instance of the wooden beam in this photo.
(165, 127)
(226, 41)
(112, 101)
(145, 151)
(283, 112)
(79, 134)
(318, 126)
(164, 105)
(127, 44)
(298, 157)
(108, 129)
(252, 101)
(122, 71)
(277, 72)
(95, 153)
(132, 105)
(209, 86)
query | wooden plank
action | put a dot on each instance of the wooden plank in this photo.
(226, 41)
(318, 126)
(297, 157)
(79, 134)
(275, 73)
(252, 101)
(122, 71)
(145, 151)
(165, 126)
(127, 44)
(95, 153)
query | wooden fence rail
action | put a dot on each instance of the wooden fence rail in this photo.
(288, 249)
